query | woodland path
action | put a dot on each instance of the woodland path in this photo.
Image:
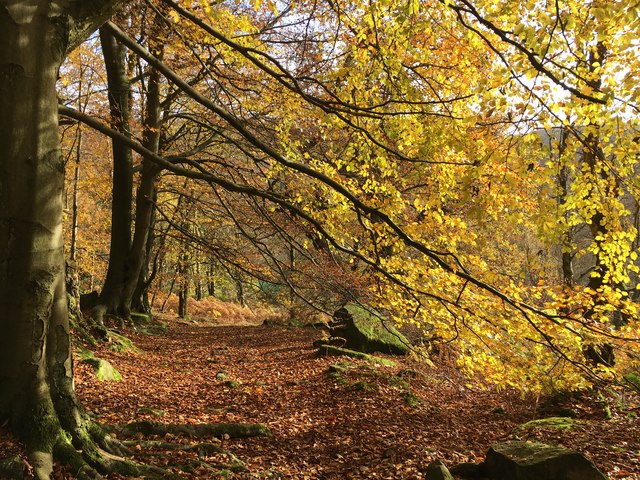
(356, 424)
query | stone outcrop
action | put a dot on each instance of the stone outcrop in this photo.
(360, 328)
(518, 460)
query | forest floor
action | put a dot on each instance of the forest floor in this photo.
(362, 421)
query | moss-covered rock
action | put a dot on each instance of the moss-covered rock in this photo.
(103, 369)
(437, 471)
(120, 343)
(363, 329)
(516, 460)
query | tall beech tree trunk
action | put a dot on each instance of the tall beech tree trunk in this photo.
(127, 255)
(118, 271)
(136, 290)
(36, 376)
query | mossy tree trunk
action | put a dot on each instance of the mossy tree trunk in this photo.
(36, 376)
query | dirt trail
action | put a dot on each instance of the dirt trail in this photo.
(359, 422)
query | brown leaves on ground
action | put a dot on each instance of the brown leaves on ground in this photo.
(332, 418)
(353, 423)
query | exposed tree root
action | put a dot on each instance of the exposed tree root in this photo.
(229, 430)
(203, 450)
(89, 452)
(12, 467)
(67, 435)
(217, 471)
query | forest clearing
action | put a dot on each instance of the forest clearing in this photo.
(331, 417)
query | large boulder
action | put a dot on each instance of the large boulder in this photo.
(362, 329)
(518, 460)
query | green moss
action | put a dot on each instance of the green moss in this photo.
(337, 368)
(84, 354)
(398, 382)
(371, 324)
(147, 324)
(363, 386)
(85, 440)
(556, 423)
(39, 427)
(411, 399)
(633, 378)
(141, 318)
(120, 343)
(338, 377)
(104, 370)
(66, 453)
(12, 467)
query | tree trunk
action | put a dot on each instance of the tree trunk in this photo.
(140, 301)
(564, 181)
(239, 288)
(34, 344)
(137, 252)
(118, 271)
(127, 255)
(136, 292)
(183, 295)
(36, 375)
(211, 285)
(74, 199)
(198, 282)
(183, 291)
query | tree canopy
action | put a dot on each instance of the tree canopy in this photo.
(467, 167)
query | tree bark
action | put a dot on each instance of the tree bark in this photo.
(36, 375)
(136, 293)
(211, 285)
(127, 254)
(118, 271)
(183, 291)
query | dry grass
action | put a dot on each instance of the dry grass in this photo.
(219, 312)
